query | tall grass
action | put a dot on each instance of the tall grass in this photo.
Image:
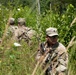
(72, 60)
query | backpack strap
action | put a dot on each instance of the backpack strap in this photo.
(42, 47)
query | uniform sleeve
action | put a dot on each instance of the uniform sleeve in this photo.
(39, 53)
(15, 36)
(62, 59)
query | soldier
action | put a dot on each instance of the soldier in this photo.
(12, 27)
(54, 53)
(21, 29)
(23, 32)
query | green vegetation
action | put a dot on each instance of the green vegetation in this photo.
(72, 60)
(21, 60)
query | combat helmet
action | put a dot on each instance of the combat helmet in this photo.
(51, 31)
(21, 21)
(11, 21)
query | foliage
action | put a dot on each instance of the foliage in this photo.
(3, 19)
(16, 60)
(72, 60)
(56, 5)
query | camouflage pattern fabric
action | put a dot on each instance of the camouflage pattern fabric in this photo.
(24, 33)
(19, 33)
(11, 30)
(57, 58)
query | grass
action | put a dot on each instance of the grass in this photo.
(17, 60)
(72, 60)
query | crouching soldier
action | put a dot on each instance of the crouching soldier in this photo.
(12, 27)
(57, 54)
(23, 32)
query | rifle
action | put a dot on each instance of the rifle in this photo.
(40, 60)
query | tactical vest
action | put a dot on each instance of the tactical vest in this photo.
(53, 56)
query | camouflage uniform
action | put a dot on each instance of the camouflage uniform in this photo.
(12, 28)
(57, 58)
(20, 33)
(24, 32)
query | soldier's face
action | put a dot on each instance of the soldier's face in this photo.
(53, 39)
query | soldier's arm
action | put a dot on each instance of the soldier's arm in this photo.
(62, 59)
(40, 52)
